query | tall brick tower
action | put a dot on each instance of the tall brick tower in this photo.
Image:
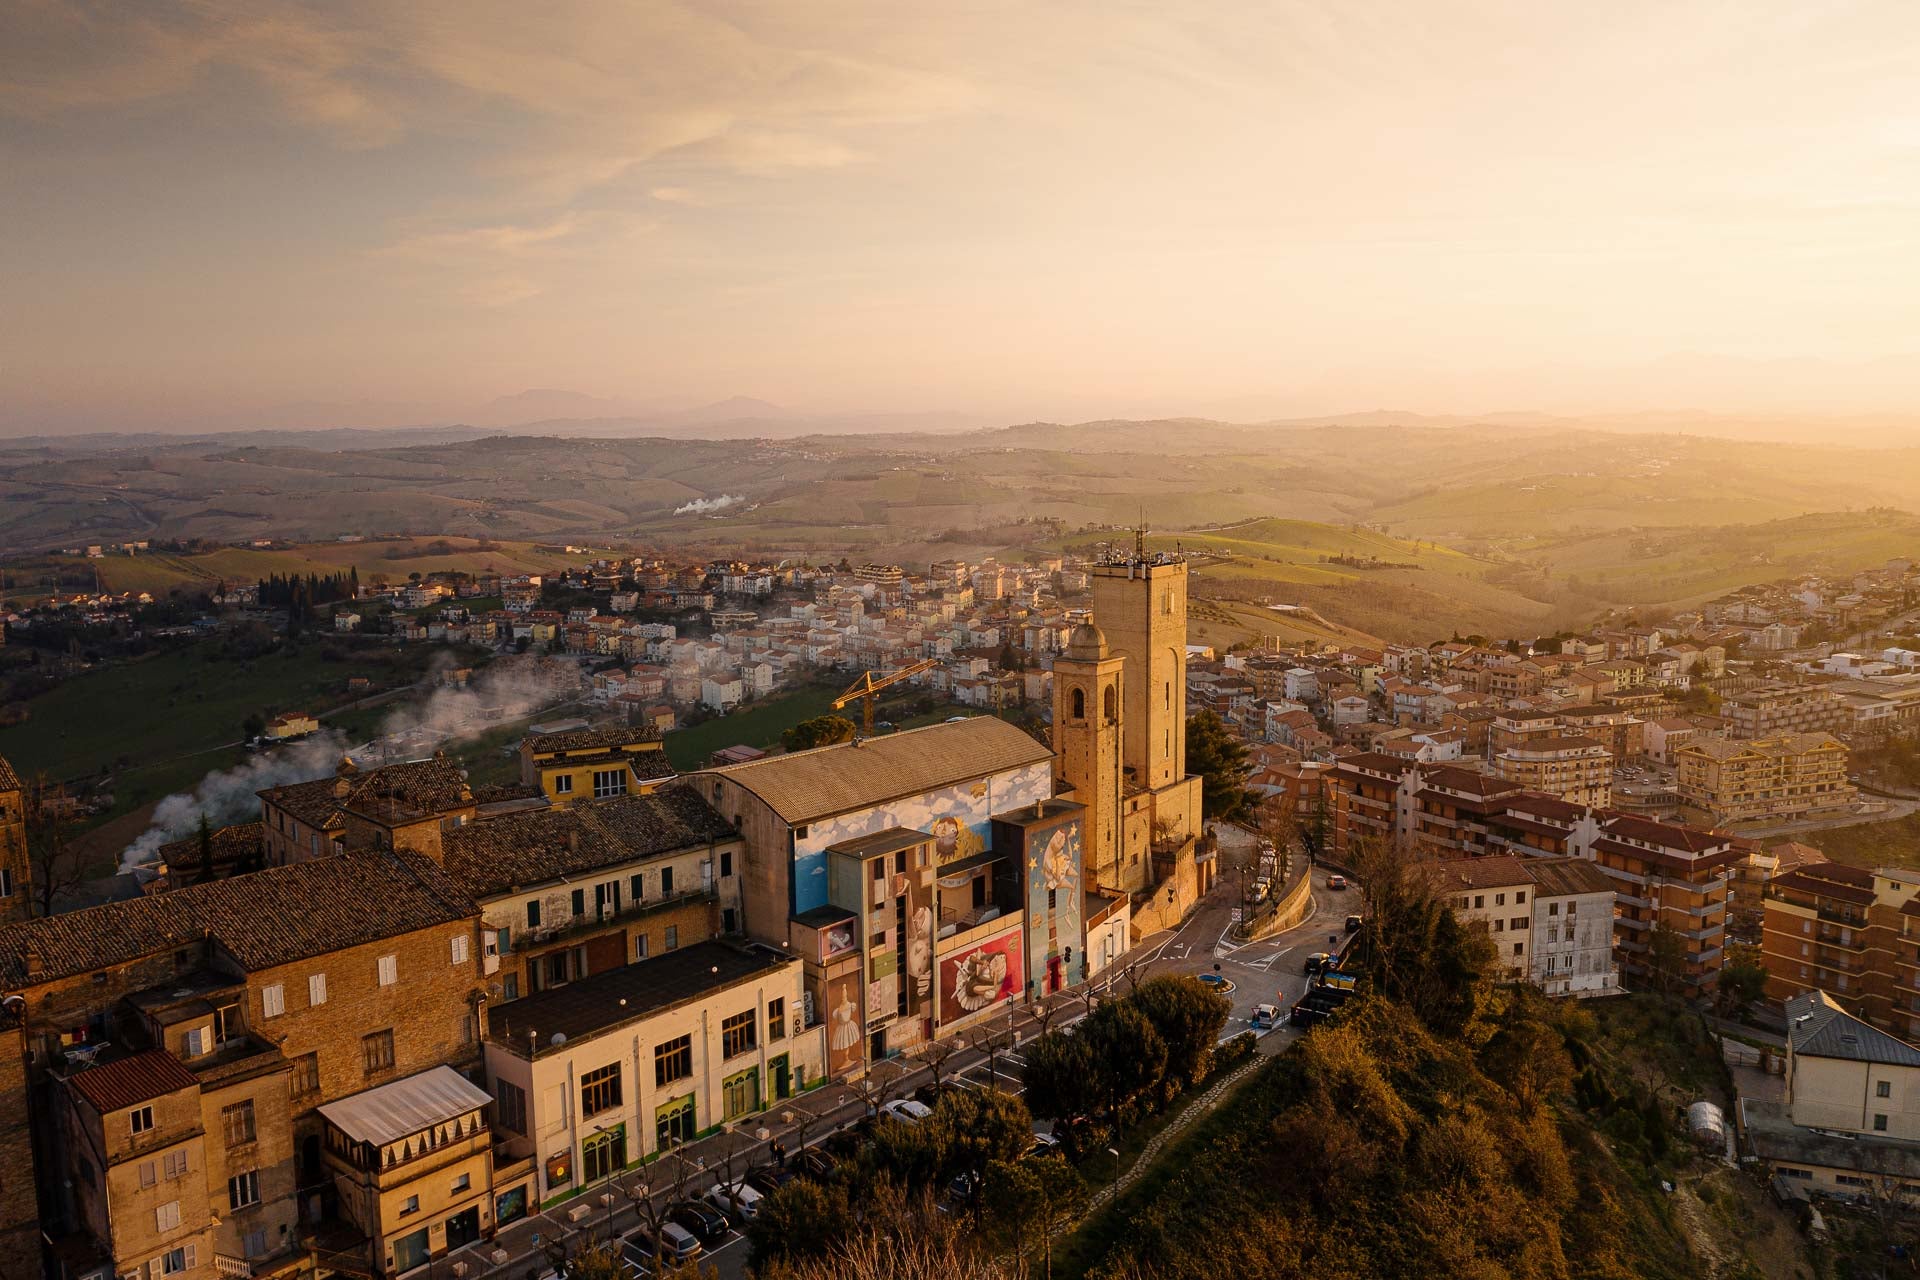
(1087, 693)
(1140, 603)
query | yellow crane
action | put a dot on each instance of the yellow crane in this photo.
(868, 685)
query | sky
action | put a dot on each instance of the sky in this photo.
(223, 214)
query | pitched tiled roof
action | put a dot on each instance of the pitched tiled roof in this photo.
(9, 780)
(804, 785)
(1479, 873)
(1561, 877)
(265, 919)
(128, 1082)
(414, 787)
(494, 855)
(1818, 1027)
(610, 735)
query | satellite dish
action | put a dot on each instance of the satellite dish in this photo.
(559, 1037)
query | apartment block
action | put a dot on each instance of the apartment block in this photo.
(1763, 779)
(1776, 709)
(1578, 770)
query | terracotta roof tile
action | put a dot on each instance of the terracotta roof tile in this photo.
(494, 855)
(264, 919)
(130, 1081)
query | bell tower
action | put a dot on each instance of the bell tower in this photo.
(1141, 606)
(1088, 697)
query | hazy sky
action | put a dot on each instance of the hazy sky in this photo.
(1048, 208)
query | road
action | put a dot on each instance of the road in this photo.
(1265, 972)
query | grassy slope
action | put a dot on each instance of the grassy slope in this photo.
(759, 725)
(175, 716)
(395, 559)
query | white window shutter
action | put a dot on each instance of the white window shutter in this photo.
(273, 1000)
(193, 1256)
(316, 988)
(460, 949)
(389, 970)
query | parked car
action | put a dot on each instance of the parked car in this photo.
(708, 1224)
(738, 1200)
(676, 1242)
(1265, 1017)
(1317, 961)
(907, 1111)
(1043, 1144)
(1336, 881)
(1353, 924)
(817, 1164)
(769, 1179)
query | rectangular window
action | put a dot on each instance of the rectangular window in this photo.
(1479, 901)
(673, 1060)
(600, 1090)
(174, 1165)
(1518, 923)
(1499, 899)
(316, 990)
(579, 902)
(458, 947)
(236, 1121)
(1553, 908)
(410, 1205)
(376, 1051)
(736, 1034)
(1883, 1089)
(243, 1189)
(389, 967)
(1879, 1124)
(197, 1042)
(167, 1216)
(533, 914)
(149, 1173)
(608, 783)
(639, 946)
(462, 1182)
(726, 863)
(306, 1075)
(666, 880)
(1520, 898)
(226, 1023)
(273, 1000)
(255, 1243)
(776, 1020)
(140, 1120)
(563, 784)
(673, 936)
(174, 1261)
(510, 1107)
(637, 887)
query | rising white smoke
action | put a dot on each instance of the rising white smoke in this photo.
(510, 689)
(228, 796)
(707, 506)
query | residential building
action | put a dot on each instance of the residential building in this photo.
(399, 806)
(1763, 779)
(1776, 709)
(1578, 770)
(16, 866)
(594, 764)
(566, 893)
(595, 1077)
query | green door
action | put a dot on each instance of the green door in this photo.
(777, 1074)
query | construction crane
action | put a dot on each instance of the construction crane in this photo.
(867, 686)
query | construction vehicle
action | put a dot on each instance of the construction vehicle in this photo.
(868, 686)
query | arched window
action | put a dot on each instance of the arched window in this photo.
(1079, 704)
(1110, 704)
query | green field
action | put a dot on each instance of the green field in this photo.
(161, 722)
(392, 559)
(1894, 843)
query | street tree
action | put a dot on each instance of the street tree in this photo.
(1189, 1017)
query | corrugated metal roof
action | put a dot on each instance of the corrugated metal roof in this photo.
(1820, 1028)
(114, 1086)
(393, 1111)
(805, 785)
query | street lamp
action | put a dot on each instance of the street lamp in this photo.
(1114, 1186)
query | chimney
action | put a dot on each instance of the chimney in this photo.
(36, 963)
(573, 840)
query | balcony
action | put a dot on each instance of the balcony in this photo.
(588, 925)
(233, 1268)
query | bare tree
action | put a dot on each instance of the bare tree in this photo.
(54, 860)
(936, 1054)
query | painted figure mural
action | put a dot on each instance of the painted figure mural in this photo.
(980, 977)
(1053, 879)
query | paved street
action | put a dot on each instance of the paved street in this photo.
(1268, 971)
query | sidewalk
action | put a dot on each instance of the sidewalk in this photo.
(531, 1243)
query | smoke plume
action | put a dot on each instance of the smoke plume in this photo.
(707, 506)
(228, 796)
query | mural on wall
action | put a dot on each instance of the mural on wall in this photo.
(957, 817)
(980, 976)
(844, 1031)
(836, 940)
(1053, 864)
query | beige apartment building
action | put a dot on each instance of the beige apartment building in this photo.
(1763, 779)
(1776, 709)
(1577, 770)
